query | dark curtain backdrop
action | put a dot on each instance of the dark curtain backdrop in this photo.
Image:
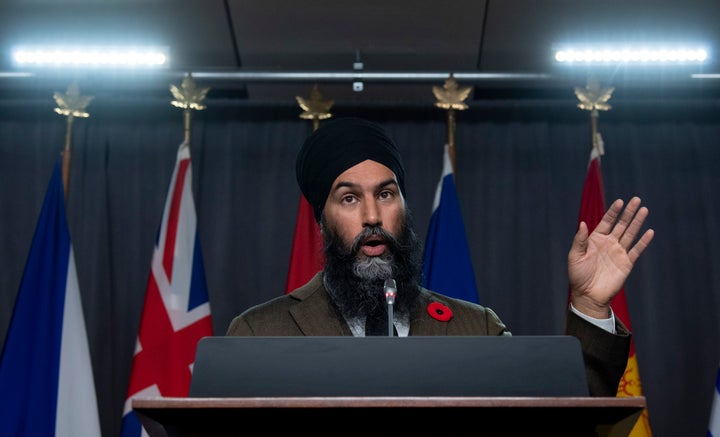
(520, 170)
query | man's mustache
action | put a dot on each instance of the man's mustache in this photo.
(374, 231)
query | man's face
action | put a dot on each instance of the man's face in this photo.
(368, 236)
(366, 194)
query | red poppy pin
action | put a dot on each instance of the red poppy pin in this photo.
(439, 312)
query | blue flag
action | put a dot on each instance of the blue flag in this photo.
(447, 267)
(46, 379)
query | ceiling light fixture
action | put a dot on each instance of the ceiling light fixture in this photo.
(634, 56)
(96, 57)
(705, 76)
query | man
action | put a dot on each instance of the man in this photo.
(351, 173)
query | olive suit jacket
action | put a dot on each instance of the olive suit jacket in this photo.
(309, 310)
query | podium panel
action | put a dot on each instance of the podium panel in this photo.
(391, 416)
(414, 366)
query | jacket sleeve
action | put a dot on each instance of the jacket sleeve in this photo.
(604, 354)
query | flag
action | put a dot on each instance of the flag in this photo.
(306, 257)
(46, 378)
(447, 266)
(592, 209)
(714, 425)
(176, 313)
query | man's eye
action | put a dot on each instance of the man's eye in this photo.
(385, 195)
(348, 199)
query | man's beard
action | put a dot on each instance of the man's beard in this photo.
(355, 282)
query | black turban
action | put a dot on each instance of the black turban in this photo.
(336, 146)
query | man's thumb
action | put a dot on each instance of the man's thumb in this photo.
(580, 242)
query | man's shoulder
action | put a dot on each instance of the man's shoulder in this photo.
(460, 316)
(311, 287)
(283, 302)
(304, 311)
(434, 296)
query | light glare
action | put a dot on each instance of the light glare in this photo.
(629, 55)
(92, 57)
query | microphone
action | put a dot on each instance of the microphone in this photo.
(390, 289)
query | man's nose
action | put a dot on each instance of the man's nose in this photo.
(371, 214)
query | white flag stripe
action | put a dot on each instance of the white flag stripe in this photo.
(184, 242)
(714, 426)
(176, 305)
(447, 169)
(76, 387)
(77, 404)
(175, 291)
(183, 153)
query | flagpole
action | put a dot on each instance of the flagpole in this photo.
(71, 105)
(451, 97)
(66, 156)
(187, 122)
(451, 135)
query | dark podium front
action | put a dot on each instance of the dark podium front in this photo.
(389, 386)
(391, 416)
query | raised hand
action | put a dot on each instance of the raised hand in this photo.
(599, 263)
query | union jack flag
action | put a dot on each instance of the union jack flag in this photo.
(176, 313)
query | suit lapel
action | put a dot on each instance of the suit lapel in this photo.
(315, 314)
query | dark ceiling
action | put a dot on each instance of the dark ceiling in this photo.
(274, 50)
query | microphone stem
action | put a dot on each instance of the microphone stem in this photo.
(390, 290)
(390, 319)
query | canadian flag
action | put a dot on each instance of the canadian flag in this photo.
(306, 257)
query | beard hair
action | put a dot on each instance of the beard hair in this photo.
(355, 283)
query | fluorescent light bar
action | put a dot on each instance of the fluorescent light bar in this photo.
(635, 56)
(91, 57)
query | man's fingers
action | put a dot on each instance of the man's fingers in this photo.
(626, 218)
(641, 245)
(633, 230)
(608, 221)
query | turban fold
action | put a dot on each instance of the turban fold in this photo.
(336, 146)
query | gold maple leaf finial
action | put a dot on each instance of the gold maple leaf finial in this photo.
(315, 107)
(450, 95)
(188, 96)
(72, 104)
(593, 97)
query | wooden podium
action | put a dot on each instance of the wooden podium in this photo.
(391, 416)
